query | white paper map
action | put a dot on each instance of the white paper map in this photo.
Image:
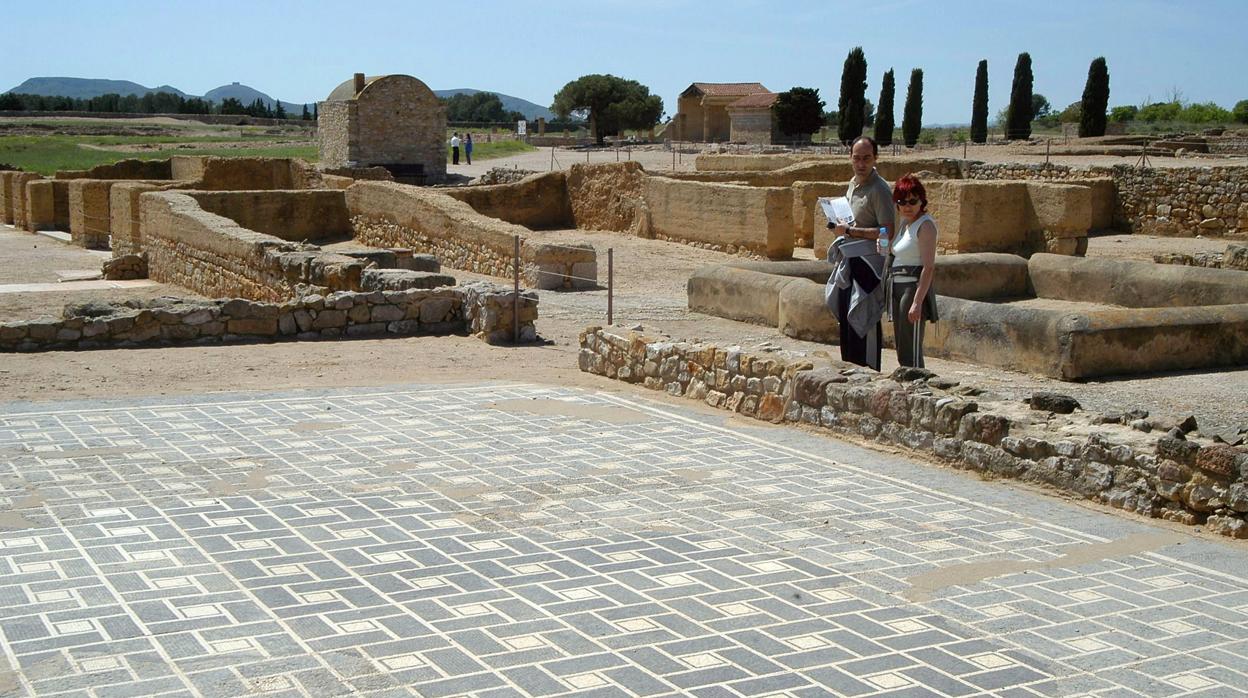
(837, 210)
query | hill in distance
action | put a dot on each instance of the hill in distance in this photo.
(86, 88)
(529, 109)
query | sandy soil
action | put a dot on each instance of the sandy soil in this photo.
(1144, 247)
(30, 258)
(650, 291)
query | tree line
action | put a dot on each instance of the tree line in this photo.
(150, 103)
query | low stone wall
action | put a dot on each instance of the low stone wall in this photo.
(48, 205)
(6, 201)
(606, 196)
(1134, 284)
(17, 181)
(125, 221)
(1235, 257)
(785, 169)
(1093, 456)
(807, 214)
(1176, 201)
(724, 217)
(978, 323)
(123, 169)
(307, 215)
(1015, 217)
(482, 310)
(538, 202)
(214, 256)
(384, 214)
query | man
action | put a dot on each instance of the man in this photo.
(861, 275)
(455, 148)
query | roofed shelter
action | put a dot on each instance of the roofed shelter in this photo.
(702, 109)
(390, 121)
(752, 120)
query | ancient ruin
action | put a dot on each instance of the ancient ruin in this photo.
(390, 121)
(702, 109)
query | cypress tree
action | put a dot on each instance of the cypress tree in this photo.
(853, 96)
(912, 116)
(1019, 116)
(306, 116)
(884, 123)
(1095, 100)
(979, 108)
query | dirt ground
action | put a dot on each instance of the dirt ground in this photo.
(650, 292)
(36, 259)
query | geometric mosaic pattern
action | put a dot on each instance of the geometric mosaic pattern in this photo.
(536, 541)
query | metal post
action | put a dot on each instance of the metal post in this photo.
(515, 298)
(673, 155)
(617, 153)
(610, 286)
(1048, 145)
(587, 155)
(552, 158)
(963, 150)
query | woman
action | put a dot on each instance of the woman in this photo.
(468, 147)
(913, 256)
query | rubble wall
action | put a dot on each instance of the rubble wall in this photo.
(385, 214)
(606, 196)
(538, 202)
(482, 310)
(311, 215)
(214, 256)
(1162, 476)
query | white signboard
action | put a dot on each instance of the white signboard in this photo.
(522, 127)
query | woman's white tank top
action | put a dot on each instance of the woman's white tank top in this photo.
(906, 248)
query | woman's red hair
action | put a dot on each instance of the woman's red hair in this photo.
(909, 187)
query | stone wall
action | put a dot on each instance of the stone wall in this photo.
(725, 217)
(90, 217)
(538, 202)
(1094, 456)
(311, 215)
(606, 196)
(6, 201)
(385, 214)
(20, 215)
(481, 309)
(783, 170)
(1176, 201)
(979, 324)
(126, 236)
(1017, 217)
(752, 126)
(215, 257)
(48, 204)
(123, 169)
(807, 214)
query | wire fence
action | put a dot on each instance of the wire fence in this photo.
(517, 265)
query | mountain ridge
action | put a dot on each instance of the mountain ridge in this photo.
(86, 88)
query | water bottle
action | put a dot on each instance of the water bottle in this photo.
(883, 242)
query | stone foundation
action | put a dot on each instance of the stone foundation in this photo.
(1052, 315)
(1169, 477)
(394, 215)
(214, 256)
(482, 310)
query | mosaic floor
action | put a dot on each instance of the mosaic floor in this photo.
(523, 540)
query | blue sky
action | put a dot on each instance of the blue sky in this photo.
(299, 50)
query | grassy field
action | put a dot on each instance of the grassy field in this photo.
(47, 154)
(496, 149)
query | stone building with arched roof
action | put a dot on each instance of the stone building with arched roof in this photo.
(390, 121)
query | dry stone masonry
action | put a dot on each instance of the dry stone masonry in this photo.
(480, 309)
(1174, 475)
